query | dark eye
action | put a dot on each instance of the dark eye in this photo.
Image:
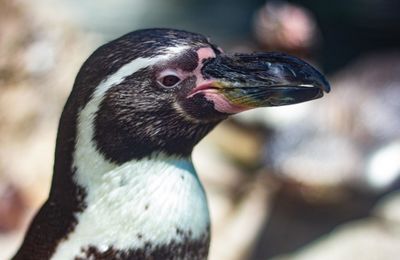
(170, 80)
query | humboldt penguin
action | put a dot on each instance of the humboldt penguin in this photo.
(124, 186)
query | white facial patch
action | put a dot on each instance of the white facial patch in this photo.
(138, 201)
(203, 54)
(134, 66)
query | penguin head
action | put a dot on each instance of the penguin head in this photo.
(162, 90)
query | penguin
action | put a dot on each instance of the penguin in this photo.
(124, 186)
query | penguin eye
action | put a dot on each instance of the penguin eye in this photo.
(169, 80)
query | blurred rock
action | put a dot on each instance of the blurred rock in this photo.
(301, 215)
(12, 208)
(388, 210)
(283, 26)
(383, 167)
(12, 41)
(373, 238)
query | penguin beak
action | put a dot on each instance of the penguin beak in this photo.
(243, 81)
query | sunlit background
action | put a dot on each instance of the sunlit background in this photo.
(318, 180)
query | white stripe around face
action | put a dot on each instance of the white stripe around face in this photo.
(149, 198)
(136, 65)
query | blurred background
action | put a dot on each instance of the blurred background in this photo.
(318, 180)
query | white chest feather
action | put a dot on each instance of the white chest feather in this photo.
(139, 202)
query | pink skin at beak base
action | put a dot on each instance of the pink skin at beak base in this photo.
(209, 87)
(210, 90)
